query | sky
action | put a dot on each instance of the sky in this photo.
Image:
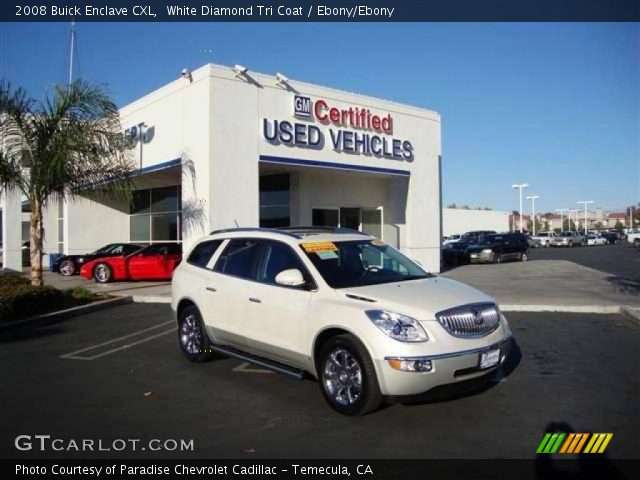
(556, 106)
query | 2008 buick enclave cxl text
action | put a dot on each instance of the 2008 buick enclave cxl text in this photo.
(339, 305)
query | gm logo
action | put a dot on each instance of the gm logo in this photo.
(301, 106)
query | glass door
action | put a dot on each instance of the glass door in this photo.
(350, 218)
(325, 217)
(372, 219)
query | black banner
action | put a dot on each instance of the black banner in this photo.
(325, 11)
(544, 467)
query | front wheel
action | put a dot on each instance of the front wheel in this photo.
(524, 256)
(347, 376)
(497, 258)
(636, 242)
(102, 273)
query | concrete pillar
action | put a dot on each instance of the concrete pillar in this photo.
(11, 204)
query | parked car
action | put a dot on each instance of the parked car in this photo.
(454, 254)
(596, 240)
(476, 235)
(155, 262)
(533, 243)
(499, 247)
(567, 239)
(545, 239)
(343, 307)
(68, 265)
(451, 239)
(634, 237)
(611, 237)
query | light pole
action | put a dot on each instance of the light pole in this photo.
(561, 210)
(520, 186)
(585, 202)
(573, 210)
(533, 211)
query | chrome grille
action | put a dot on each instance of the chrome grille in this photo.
(473, 320)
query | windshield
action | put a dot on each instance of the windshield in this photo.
(543, 234)
(361, 262)
(565, 234)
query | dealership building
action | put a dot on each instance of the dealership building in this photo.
(222, 147)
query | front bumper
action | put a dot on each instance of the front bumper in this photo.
(447, 368)
(482, 257)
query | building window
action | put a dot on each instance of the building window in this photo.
(155, 215)
(274, 201)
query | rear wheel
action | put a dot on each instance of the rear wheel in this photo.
(194, 341)
(347, 376)
(67, 268)
(524, 256)
(103, 273)
(636, 242)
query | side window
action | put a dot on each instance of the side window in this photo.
(278, 257)
(239, 258)
(202, 253)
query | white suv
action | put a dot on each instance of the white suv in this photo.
(337, 305)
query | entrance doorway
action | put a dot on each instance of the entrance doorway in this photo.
(364, 219)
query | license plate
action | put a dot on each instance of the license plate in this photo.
(489, 359)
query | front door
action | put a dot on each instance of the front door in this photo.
(277, 315)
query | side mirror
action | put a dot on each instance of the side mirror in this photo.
(290, 278)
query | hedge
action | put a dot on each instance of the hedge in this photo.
(19, 299)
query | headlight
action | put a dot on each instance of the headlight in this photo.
(487, 250)
(398, 327)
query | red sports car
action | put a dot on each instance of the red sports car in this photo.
(155, 262)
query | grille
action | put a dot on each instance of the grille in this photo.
(474, 320)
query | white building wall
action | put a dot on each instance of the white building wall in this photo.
(458, 221)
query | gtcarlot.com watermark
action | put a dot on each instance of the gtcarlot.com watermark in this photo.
(47, 443)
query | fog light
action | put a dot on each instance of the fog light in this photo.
(410, 364)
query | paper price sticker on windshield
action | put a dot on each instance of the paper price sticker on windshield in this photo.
(316, 247)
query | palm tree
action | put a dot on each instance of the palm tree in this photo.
(66, 145)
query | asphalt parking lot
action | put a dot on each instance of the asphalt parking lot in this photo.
(621, 259)
(119, 373)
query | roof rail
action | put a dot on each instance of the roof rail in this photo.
(315, 229)
(255, 229)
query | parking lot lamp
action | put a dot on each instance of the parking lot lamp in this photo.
(585, 202)
(520, 186)
(562, 210)
(533, 211)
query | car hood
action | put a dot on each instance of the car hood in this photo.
(420, 299)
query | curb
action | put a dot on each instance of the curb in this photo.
(54, 317)
(563, 308)
(151, 299)
(630, 313)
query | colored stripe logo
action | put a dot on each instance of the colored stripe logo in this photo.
(572, 443)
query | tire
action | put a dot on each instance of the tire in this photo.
(67, 268)
(497, 258)
(102, 273)
(524, 256)
(347, 376)
(192, 336)
(636, 242)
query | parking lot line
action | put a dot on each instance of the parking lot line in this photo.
(83, 355)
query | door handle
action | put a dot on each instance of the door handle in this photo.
(255, 300)
(212, 289)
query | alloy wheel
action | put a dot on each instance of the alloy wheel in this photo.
(102, 273)
(67, 268)
(190, 336)
(343, 377)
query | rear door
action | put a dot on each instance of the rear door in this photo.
(225, 295)
(276, 314)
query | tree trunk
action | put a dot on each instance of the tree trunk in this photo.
(36, 234)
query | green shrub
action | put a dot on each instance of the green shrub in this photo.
(9, 279)
(20, 299)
